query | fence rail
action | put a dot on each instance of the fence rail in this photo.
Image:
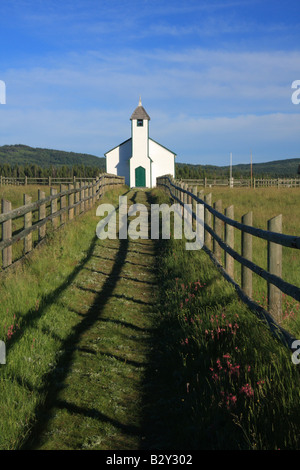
(215, 242)
(68, 203)
(47, 181)
(244, 182)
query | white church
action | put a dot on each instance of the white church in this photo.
(140, 159)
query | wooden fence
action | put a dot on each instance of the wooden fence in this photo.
(215, 241)
(42, 181)
(244, 182)
(68, 203)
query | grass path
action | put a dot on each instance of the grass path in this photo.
(128, 345)
(94, 399)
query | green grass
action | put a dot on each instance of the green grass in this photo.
(37, 317)
(266, 203)
(119, 345)
(236, 386)
(76, 318)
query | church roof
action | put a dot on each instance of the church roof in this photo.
(140, 113)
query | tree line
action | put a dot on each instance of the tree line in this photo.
(186, 171)
(36, 171)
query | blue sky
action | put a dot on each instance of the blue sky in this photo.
(215, 76)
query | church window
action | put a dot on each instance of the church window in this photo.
(140, 123)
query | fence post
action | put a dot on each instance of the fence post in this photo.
(185, 196)
(63, 204)
(86, 193)
(229, 240)
(77, 198)
(53, 192)
(194, 205)
(6, 234)
(94, 190)
(71, 202)
(42, 215)
(207, 221)
(90, 195)
(218, 231)
(247, 253)
(275, 267)
(82, 194)
(27, 223)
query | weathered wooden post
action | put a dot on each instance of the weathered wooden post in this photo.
(229, 240)
(181, 193)
(185, 199)
(63, 205)
(246, 277)
(86, 194)
(77, 198)
(82, 194)
(71, 202)
(275, 267)
(6, 234)
(207, 221)
(42, 215)
(194, 204)
(94, 191)
(53, 192)
(90, 195)
(27, 224)
(218, 225)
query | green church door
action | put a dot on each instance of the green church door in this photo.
(140, 177)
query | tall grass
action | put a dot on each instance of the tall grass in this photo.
(35, 319)
(237, 385)
(266, 203)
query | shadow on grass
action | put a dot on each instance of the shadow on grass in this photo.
(177, 394)
(63, 366)
(29, 319)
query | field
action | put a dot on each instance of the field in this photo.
(266, 203)
(131, 345)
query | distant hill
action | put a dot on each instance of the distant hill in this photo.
(45, 158)
(23, 155)
(275, 169)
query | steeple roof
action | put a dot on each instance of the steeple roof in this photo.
(140, 113)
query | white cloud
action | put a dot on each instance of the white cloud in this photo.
(201, 102)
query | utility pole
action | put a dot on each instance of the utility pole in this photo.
(251, 181)
(230, 172)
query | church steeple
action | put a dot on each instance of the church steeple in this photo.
(140, 113)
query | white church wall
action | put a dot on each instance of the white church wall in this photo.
(117, 160)
(163, 161)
